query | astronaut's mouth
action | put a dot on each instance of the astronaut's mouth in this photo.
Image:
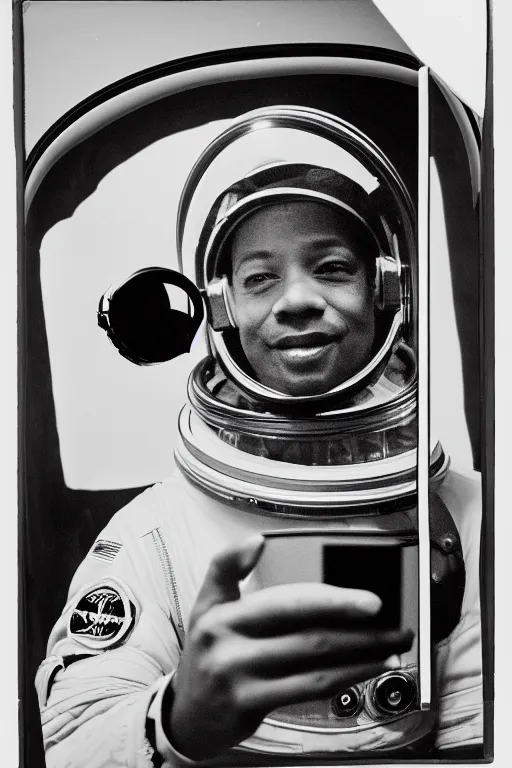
(304, 354)
(305, 348)
(301, 360)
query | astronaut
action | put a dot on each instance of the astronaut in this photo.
(195, 628)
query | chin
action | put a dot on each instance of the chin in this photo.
(315, 385)
(304, 388)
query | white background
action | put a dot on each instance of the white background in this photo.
(8, 431)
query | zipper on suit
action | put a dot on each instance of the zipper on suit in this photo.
(170, 580)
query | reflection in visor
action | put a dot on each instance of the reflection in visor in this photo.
(353, 449)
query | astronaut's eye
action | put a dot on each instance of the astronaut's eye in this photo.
(258, 279)
(337, 267)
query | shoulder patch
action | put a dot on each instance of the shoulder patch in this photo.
(102, 615)
(105, 550)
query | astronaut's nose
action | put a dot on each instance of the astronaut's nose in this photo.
(298, 297)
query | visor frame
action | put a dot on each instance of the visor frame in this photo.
(349, 138)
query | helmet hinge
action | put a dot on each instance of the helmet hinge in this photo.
(387, 284)
(218, 307)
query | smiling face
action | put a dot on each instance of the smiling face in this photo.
(303, 297)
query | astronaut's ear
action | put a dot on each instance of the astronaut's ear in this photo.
(152, 316)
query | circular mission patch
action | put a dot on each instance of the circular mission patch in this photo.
(101, 617)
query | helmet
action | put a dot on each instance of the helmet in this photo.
(380, 208)
(367, 422)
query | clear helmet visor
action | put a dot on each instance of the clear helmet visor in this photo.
(271, 144)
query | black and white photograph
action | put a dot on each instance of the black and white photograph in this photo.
(255, 399)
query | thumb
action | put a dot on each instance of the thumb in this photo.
(226, 570)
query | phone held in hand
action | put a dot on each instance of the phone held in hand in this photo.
(384, 564)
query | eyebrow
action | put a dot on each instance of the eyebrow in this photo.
(328, 240)
(251, 256)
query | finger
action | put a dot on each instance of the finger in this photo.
(227, 568)
(266, 695)
(288, 607)
(317, 649)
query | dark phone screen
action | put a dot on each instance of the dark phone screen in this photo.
(375, 568)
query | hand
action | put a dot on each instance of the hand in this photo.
(246, 656)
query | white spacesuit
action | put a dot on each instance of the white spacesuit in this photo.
(335, 466)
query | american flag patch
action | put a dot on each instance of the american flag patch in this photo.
(105, 550)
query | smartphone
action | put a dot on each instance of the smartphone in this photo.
(384, 564)
(381, 563)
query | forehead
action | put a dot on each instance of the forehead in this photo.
(294, 222)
